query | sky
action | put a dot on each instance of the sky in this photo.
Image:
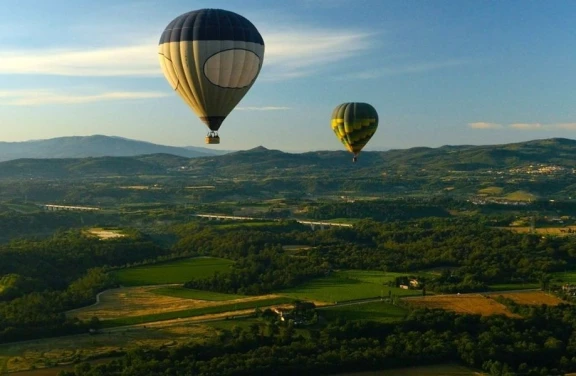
(439, 72)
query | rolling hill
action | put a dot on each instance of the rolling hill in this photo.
(94, 146)
(262, 162)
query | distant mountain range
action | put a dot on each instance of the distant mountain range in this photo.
(264, 163)
(94, 146)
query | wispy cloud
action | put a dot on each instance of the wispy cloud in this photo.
(524, 126)
(566, 126)
(290, 53)
(46, 96)
(269, 108)
(302, 51)
(484, 125)
(131, 60)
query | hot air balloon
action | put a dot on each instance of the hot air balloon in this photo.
(354, 125)
(211, 58)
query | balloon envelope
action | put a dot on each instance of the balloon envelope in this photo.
(211, 58)
(354, 124)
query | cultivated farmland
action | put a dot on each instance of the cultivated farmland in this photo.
(467, 303)
(532, 298)
(179, 271)
(143, 301)
(483, 304)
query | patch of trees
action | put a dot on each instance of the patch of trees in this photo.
(470, 255)
(543, 343)
(64, 257)
(262, 271)
(474, 255)
(45, 278)
(18, 225)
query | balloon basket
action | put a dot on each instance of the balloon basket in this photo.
(212, 140)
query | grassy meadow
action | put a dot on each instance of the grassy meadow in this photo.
(564, 277)
(172, 272)
(373, 311)
(348, 285)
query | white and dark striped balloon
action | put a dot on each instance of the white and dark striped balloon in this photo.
(211, 58)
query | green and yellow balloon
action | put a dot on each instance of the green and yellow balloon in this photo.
(354, 124)
(211, 58)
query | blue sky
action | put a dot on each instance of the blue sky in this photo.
(438, 72)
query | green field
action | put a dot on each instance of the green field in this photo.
(520, 196)
(196, 312)
(374, 311)
(181, 292)
(348, 285)
(179, 271)
(514, 286)
(564, 277)
(343, 220)
(491, 190)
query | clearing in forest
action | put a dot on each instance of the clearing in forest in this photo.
(106, 233)
(491, 191)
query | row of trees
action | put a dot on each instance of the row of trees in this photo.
(541, 344)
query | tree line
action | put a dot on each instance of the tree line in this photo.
(541, 343)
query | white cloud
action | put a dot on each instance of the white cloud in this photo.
(526, 126)
(566, 126)
(484, 125)
(293, 52)
(46, 96)
(133, 60)
(302, 51)
(268, 108)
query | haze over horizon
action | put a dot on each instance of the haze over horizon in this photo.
(439, 73)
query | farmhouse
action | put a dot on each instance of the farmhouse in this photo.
(569, 288)
(283, 313)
